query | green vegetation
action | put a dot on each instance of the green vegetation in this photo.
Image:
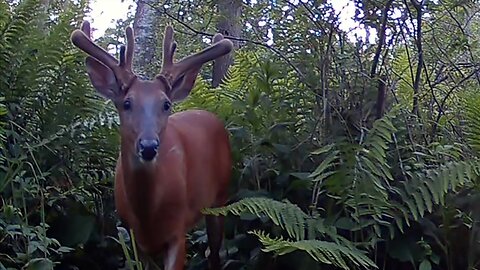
(347, 154)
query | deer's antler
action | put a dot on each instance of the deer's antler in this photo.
(172, 71)
(123, 69)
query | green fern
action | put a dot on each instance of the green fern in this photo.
(284, 214)
(53, 148)
(358, 172)
(15, 29)
(401, 68)
(222, 100)
(3, 112)
(419, 193)
(361, 176)
(321, 251)
(295, 222)
(471, 105)
(426, 189)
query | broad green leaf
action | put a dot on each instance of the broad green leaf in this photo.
(40, 264)
(425, 265)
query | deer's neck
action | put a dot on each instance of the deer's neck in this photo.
(142, 184)
(147, 185)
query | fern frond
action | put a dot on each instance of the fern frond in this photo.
(3, 112)
(14, 31)
(376, 145)
(366, 188)
(401, 68)
(223, 99)
(472, 116)
(284, 214)
(369, 172)
(322, 251)
(322, 171)
(427, 189)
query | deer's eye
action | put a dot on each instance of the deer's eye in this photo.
(167, 105)
(127, 105)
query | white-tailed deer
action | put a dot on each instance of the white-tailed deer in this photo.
(170, 165)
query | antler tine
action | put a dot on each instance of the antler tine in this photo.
(122, 70)
(126, 53)
(122, 56)
(220, 48)
(84, 43)
(169, 47)
(217, 37)
(130, 48)
(86, 28)
(172, 70)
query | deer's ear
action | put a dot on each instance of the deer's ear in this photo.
(182, 87)
(102, 77)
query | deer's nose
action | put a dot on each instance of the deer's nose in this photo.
(148, 149)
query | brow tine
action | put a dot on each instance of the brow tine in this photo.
(84, 43)
(122, 56)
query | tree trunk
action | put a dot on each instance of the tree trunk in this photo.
(230, 12)
(146, 32)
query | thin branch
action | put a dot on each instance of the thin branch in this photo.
(440, 108)
(381, 37)
(416, 83)
(279, 53)
(469, 48)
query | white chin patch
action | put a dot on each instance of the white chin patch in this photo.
(143, 161)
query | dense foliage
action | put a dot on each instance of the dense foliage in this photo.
(59, 142)
(348, 154)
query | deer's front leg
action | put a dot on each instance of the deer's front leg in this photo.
(175, 255)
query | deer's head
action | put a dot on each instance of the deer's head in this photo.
(144, 105)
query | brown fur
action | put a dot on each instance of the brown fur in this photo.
(161, 197)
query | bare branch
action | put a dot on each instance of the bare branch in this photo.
(381, 38)
(418, 41)
(279, 53)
